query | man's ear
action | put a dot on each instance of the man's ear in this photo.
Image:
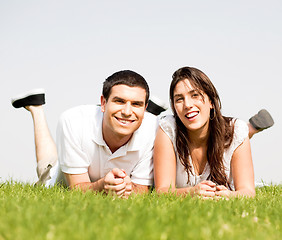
(103, 103)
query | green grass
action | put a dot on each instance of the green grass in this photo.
(29, 212)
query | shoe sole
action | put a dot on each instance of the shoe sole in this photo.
(32, 97)
(262, 120)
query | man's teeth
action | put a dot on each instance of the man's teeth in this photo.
(124, 121)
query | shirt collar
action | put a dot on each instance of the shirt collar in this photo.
(97, 133)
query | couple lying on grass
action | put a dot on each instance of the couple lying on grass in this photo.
(121, 148)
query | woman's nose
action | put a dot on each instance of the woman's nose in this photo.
(188, 102)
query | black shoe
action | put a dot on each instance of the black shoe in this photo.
(33, 97)
(262, 120)
(156, 106)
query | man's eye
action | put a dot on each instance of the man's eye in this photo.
(137, 104)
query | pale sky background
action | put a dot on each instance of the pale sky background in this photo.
(70, 47)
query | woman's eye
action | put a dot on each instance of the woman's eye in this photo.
(195, 95)
(178, 99)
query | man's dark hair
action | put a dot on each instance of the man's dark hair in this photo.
(126, 77)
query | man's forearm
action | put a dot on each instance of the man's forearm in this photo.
(85, 186)
(83, 182)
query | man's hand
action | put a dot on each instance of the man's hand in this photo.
(117, 182)
(128, 187)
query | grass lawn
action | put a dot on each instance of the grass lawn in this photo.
(29, 212)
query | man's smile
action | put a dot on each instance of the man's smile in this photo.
(124, 121)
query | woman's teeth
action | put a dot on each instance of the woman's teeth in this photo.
(192, 114)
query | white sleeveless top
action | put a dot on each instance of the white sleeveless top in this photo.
(241, 131)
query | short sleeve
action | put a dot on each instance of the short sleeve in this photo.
(142, 173)
(168, 125)
(241, 132)
(69, 137)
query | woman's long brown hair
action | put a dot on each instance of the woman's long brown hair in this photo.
(221, 129)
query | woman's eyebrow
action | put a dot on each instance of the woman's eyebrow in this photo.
(190, 92)
(178, 95)
(193, 91)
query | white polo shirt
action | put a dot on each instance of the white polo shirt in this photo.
(81, 147)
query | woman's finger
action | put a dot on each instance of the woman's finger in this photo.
(207, 193)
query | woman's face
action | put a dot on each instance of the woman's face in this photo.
(192, 107)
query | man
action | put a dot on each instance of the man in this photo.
(107, 148)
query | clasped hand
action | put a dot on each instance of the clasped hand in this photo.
(208, 189)
(118, 182)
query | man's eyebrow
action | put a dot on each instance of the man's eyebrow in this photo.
(122, 99)
(118, 98)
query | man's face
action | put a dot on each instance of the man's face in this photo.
(124, 111)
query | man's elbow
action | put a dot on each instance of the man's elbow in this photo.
(140, 189)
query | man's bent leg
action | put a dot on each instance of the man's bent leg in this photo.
(43, 170)
(45, 147)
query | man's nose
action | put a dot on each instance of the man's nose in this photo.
(127, 109)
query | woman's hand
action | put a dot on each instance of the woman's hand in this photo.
(205, 189)
(222, 191)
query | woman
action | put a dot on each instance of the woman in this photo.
(198, 151)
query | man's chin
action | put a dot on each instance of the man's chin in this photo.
(126, 131)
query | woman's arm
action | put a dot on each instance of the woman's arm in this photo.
(164, 163)
(165, 170)
(242, 172)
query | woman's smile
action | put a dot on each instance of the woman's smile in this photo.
(192, 115)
